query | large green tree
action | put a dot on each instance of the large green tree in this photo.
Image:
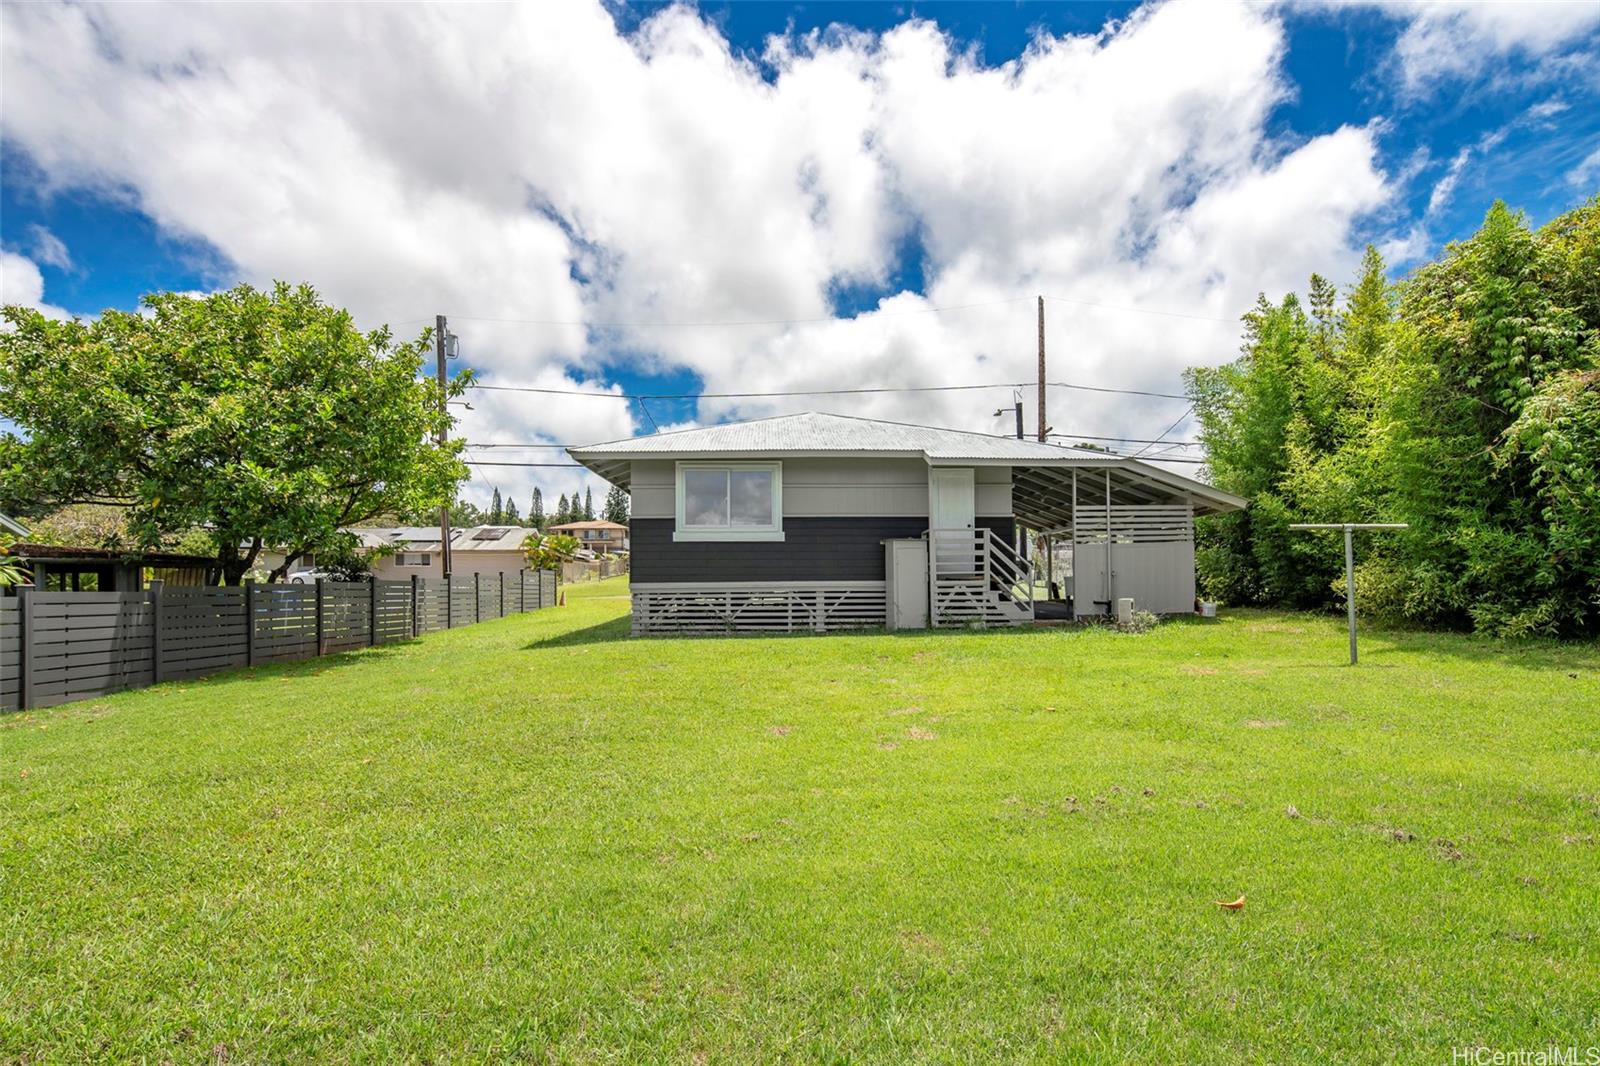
(616, 506)
(266, 418)
(1462, 401)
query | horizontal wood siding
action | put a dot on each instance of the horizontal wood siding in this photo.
(813, 549)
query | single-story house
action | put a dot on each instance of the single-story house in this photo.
(473, 550)
(600, 537)
(819, 521)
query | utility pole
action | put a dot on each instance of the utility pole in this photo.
(1020, 434)
(439, 332)
(1349, 563)
(1043, 429)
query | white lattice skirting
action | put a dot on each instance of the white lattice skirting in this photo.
(757, 607)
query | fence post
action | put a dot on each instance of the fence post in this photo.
(249, 621)
(155, 630)
(25, 700)
(372, 611)
(477, 598)
(449, 603)
(319, 617)
(416, 622)
(502, 594)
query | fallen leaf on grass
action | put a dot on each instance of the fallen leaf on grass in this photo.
(1237, 904)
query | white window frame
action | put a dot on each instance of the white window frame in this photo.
(774, 532)
(413, 559)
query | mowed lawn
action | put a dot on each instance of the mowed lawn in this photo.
(537, 838)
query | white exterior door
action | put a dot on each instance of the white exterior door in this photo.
(952, 505)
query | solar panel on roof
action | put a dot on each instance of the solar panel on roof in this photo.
(491, 533)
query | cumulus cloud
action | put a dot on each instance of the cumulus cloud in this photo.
(22, 284)
(1452, 38)
(577, 198)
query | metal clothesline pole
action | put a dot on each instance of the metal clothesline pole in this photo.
(1350, 563)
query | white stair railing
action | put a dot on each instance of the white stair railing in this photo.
(975, 578)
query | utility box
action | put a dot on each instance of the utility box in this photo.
(1125, 610)
(905, 565)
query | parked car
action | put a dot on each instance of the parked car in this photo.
(306, 577)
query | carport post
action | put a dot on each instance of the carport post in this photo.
(1349, 563)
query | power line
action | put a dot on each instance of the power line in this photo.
(1169, 429)
(1063, 435)
(823, 392)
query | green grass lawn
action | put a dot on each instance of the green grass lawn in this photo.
(538, 838)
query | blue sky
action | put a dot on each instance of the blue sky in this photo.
(152, 153)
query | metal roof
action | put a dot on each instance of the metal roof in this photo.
(813, 434)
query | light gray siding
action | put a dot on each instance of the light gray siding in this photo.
(834, 488)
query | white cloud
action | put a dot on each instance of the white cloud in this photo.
(49, 249)
(22, 284)
(1587, 172)
(536, 175)
(1455, 38)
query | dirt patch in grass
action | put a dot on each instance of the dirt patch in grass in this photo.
(899, 712)
(918, 733)
(1263, 723)
(780, 730)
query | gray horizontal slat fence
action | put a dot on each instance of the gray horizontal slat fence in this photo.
(463, 601)
(85, 644)
(346, 615)
(62, 646)
(285, 622)
(393, 619)
(490, 587)
(433, 605)
(10, 654)
(201, 631)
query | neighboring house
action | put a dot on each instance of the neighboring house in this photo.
(600, 537)
(62, 568)
(817, 521)
(473, 550)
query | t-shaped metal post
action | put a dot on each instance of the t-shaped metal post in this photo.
(1349, 563)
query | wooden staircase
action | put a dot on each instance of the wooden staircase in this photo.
(974, 578)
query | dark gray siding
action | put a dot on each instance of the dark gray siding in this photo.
(813, 549)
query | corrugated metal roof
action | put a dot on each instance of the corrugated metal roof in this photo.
(813, 432)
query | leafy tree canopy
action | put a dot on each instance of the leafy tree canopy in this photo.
(264, 417)
(1463, 400)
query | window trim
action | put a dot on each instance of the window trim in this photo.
(682, 531)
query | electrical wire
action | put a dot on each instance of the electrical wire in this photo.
(1186, 413)
(822, 392)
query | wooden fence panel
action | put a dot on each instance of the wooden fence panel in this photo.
(202, 631)
(10, 653)
(346, 615)
(463, 602)
(394, 612)
(285, 622)
(489, 587)
(433, 605)
(547, 588)
(86, 644)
